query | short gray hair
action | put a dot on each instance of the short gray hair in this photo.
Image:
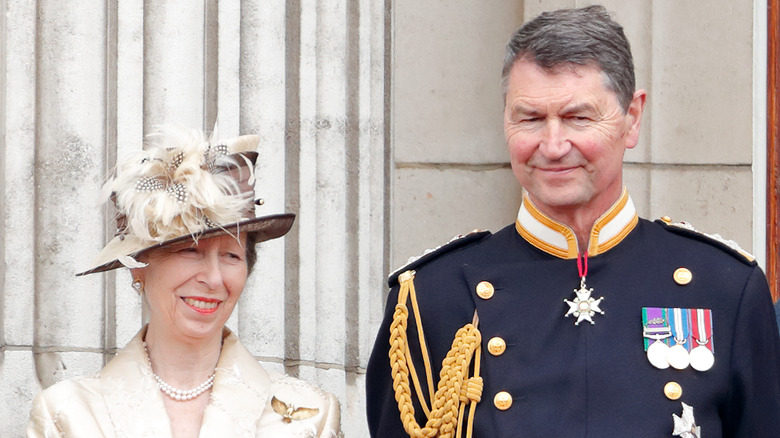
(584, 36)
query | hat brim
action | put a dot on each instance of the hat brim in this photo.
(263, 228)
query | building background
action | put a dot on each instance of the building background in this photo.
(381, 126)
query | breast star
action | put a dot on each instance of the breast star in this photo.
(685, 426)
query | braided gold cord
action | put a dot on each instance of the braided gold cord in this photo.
(455, 388)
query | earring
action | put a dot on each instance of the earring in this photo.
(138, 285)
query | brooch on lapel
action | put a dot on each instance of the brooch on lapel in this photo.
(289, 412)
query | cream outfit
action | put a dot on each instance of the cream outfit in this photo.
(123, 400)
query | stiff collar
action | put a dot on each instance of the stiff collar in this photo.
(560, 241)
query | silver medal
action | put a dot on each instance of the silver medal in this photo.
(656, 354)
(657, 330)
(702, 358)
(678, 357)
(685, 425)
(583, 307)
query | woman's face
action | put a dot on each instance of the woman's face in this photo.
(192, 288)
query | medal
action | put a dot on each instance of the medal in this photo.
(685, 425)
(678, 355)
(657, 355)
(583, 306)
(655, 332)
(702, 357)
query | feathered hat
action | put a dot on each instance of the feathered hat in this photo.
(182, 186)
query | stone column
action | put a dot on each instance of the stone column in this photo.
(307, 76)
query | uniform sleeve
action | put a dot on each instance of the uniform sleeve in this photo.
(381, 408)
(384, 420)
(41, 423)
(754, 398)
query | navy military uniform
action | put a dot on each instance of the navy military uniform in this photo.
(777, 312)
(544, 376)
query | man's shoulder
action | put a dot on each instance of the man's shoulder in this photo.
(684, 233)
(455, 246)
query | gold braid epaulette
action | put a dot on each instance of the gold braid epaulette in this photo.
(455, 388)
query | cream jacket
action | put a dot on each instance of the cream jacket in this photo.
(123, 400)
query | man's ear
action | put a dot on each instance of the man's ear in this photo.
(634, 117)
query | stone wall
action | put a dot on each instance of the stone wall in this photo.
(83, 80)
(382, 129)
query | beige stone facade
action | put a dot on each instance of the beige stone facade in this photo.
(382, 129)
(694, 161)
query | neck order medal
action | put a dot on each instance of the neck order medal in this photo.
(583, 306)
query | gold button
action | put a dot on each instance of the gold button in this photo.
(496, 346)
(682, 276)
(666, 219)
(485, 290)
(673, 390)
(502, 401)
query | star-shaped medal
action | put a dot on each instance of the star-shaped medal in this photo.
(583, 306)
(685, 426)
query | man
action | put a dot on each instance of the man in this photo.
(581, 319)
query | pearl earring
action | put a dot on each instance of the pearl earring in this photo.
(138, 285)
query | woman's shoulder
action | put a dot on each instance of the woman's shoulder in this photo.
(298, 401)
(72, 390)
(73, 406)
(298, 391)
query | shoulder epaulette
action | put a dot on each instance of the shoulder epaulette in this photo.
(729, 246)
(456, 242)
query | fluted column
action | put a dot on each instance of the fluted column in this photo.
(17, 238)
(68, 169)
(261, 104)
(84, 80)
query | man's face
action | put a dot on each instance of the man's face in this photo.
(566, 135)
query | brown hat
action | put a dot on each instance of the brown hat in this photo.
(184, 186)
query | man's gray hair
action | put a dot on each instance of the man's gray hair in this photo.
(584, 36)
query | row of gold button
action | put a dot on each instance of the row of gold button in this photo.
(496, 346)
(503, 400)
(682, 276)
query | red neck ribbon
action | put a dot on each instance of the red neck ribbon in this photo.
(582, 264)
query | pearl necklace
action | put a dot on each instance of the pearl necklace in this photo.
(180, 394)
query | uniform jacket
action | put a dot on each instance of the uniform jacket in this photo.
(123, 400)
(777, 312)
(592, 380)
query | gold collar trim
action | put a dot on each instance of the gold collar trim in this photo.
(559, 240)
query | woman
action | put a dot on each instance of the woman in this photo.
(187, 231)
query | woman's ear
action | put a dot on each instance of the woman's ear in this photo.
(138, 281)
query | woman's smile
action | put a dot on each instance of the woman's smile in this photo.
(202, 305)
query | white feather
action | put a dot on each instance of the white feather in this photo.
(139, 229)
(105, 192)
(251, 167)
(130, 262)
(155, 216)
